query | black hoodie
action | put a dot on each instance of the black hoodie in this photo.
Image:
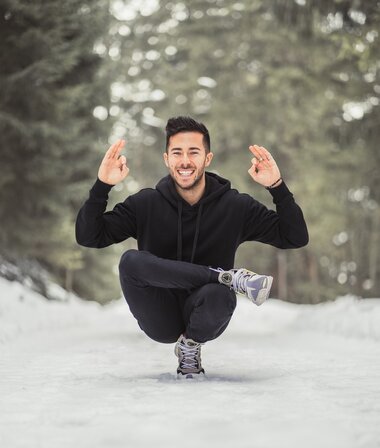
(206, 233)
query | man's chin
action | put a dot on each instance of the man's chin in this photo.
(187, 184)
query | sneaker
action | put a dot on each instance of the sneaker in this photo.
(255, 286)
(189, 358)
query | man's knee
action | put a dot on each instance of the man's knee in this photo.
(220, 293)
(163, 336)
(128, 261)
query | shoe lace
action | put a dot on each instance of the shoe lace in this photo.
(190, 354)
(239, 280)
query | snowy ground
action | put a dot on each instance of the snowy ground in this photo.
(282, 375)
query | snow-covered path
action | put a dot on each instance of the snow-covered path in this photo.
(75, 374)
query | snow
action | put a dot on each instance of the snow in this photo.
(73, 373)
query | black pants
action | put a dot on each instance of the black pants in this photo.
(169, 297)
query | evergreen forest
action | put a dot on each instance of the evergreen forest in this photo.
(300, 77)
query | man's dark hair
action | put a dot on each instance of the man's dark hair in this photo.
(186, 124)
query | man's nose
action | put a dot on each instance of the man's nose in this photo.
(185, 159)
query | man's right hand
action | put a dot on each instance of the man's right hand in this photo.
(113, 168)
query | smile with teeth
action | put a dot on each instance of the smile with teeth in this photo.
(185, 173)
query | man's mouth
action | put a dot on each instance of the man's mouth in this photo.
(185, 173)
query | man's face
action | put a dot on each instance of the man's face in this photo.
(186, 159)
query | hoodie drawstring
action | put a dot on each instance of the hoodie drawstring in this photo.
(197, 226)
(179, 234)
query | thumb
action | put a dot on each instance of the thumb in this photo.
(255, 163)
(122, 160)
(124, 170)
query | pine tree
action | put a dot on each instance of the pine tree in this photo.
(50, 82)
(274, 73)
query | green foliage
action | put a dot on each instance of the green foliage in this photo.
(298, 77)
(287, 75)
(50, 82)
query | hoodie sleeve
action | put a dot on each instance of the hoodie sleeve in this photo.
(96, 228)
(284, 228)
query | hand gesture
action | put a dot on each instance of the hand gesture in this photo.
(113, 168)
(264, 169)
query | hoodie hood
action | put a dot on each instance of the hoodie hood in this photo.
(215, 187)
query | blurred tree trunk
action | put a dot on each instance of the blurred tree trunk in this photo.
(313, 276)
(69, 280)
(282, 263)
(374, 249)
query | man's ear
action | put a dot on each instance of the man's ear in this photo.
(166, 159)
(209, 157)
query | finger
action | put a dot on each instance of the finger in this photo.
(266, 162)
(268, 159)
(255, 149)
(255, 164)
(109, 150)
(255, 161)
(252, 171)
(122, 160)
(116, 151)
(271, 163)
(266, 153)
(124, 170)
(263, 157)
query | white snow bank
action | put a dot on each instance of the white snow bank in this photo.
(347, 316)
(24, 311)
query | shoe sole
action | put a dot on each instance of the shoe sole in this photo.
(191, 376)
(264, 291)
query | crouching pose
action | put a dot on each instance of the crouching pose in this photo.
(180, 284)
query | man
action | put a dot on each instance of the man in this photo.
(180, 284)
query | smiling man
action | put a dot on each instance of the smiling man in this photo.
(187, 156)
(181, 284)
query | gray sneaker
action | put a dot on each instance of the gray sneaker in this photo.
(255, 286)
(189, 358)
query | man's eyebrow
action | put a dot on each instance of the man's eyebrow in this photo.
(180, 149)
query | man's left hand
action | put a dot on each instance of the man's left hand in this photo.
(264, 169)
